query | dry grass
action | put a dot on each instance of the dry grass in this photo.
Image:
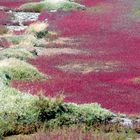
(136, 80)
(89, 67)
(76, 133)
(37, 27)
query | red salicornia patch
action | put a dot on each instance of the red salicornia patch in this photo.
(112, 40)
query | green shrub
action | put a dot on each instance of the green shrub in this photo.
(25, 113)
(16, 109)
(80, 114)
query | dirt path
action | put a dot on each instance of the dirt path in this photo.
(110, 31)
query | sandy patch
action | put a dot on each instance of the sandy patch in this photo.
(89, 67)
(58, 51)
(136, 80)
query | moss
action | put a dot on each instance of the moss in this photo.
(50, 5)
(19, 70)
(16, 52)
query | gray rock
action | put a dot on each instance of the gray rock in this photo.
(21, 17)
(126, 122)
(16, 28)
(123, 121)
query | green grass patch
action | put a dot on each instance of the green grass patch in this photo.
(16, 39)
(28, 38)
(15, 69)
(16, 52)
(135, 12)
(51, 5)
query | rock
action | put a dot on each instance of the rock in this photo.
(16, 28)
(126, 122)
(123, 121)
(21, 17)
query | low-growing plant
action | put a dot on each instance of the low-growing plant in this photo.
(17, 110)
(27, 114)
(16, 69)
(51, 5)
(16, 39)
(135, 12)
(20, 39)
(16, 52)
(3, 30)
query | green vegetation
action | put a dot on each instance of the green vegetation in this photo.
(3, 30)
(15, 69)
(24, 113)
(16, 52)
(16, 40)
(15, 109)
(51, 5)
(136, 12)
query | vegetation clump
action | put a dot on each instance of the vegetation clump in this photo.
(16, 52)
(26, 113)
(51, 5)
(135, 12)
(3, 30)
(28, 38)
(19, 70)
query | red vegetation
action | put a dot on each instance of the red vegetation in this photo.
(108, 36)
(4, 17)
(14, 3)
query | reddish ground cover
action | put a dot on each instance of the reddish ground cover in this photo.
(14, 3)
(110, 36)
